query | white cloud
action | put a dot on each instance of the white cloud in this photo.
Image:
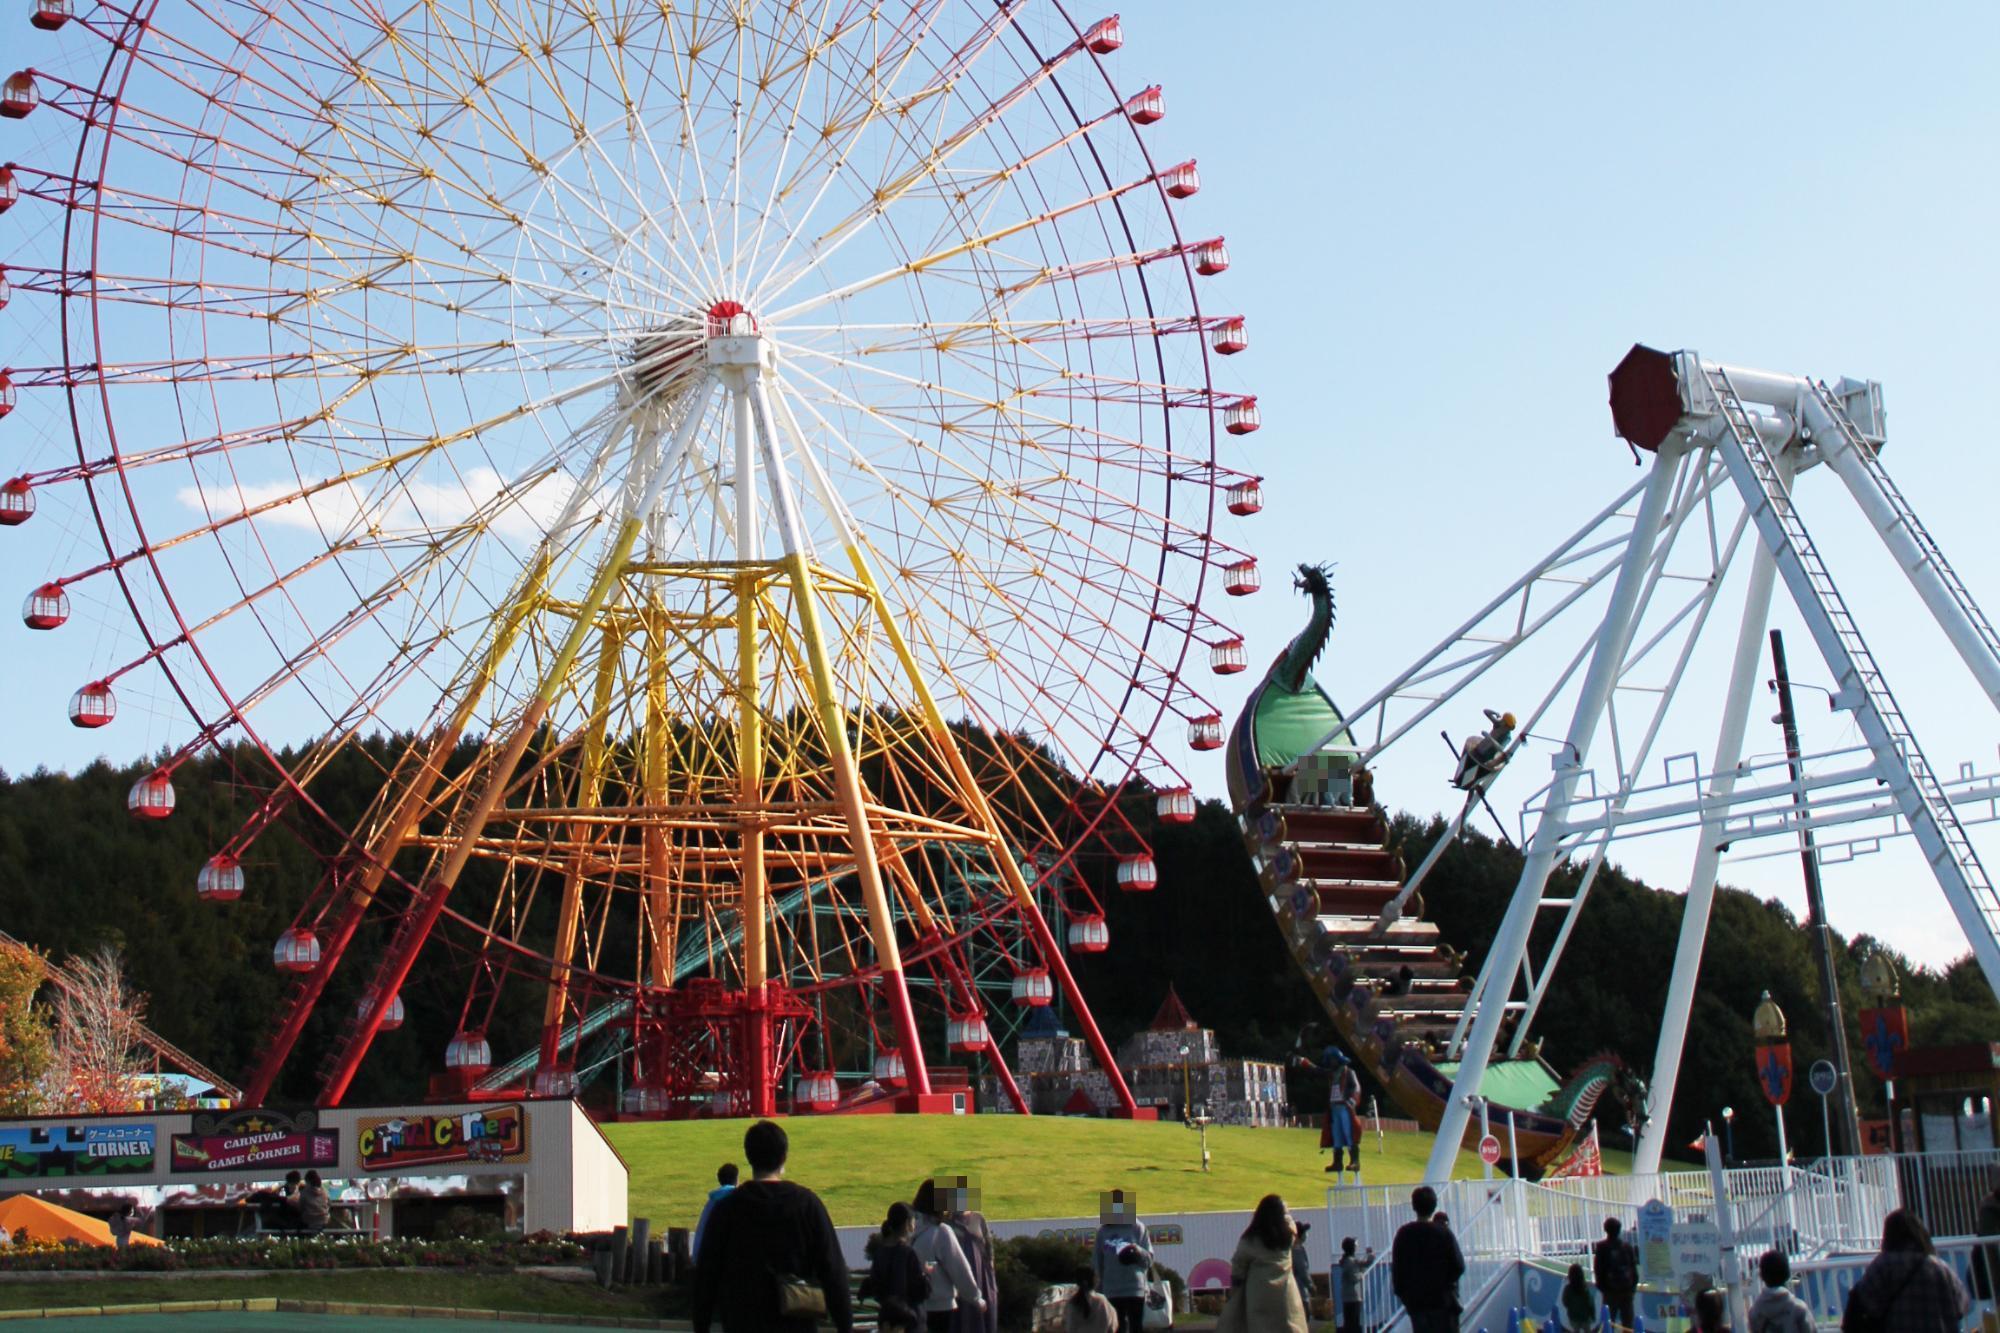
(437, 500)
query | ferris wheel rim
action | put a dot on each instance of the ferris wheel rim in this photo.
(233, 714)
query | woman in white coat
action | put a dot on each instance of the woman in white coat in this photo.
(1263, 1295)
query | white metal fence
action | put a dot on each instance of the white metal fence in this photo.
(1945, 1188)
(1829, 1208)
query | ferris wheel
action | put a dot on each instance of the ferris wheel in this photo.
(766, 456)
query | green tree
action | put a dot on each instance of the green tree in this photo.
(24, 1030)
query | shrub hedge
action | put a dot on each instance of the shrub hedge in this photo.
(543, 1247)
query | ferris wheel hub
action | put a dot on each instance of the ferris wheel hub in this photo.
(741, 352)
(734, 338)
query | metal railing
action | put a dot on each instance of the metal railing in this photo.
(1944, 1188)
(1482, 1216)
(1825, 1210)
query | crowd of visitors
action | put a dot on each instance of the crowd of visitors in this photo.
(767, 1258)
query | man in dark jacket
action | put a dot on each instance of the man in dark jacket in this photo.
(725, 1185)
(1614, 1266)
(767, 1228)
(1425, 1266)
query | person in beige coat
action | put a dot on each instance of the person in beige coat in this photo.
(1263, 1295)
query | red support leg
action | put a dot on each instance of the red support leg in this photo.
(299, 1004)
(389, 977)
(968, 997)
(916, 1073)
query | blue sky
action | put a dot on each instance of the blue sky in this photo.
(1448, 222)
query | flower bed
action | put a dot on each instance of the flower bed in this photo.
(542, 1248)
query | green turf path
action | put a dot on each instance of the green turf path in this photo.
(272, 1321)
(1047, 1166)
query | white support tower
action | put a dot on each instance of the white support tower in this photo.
(1727, 447)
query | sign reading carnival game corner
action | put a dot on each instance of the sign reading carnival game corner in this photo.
(76, 1150)
(240, 1140)
(490, 1134)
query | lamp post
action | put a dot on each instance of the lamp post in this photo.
(1774, 1064)
(1729, 1133)
(1774, 1078)
(1885, 1027)
(1189, 1117)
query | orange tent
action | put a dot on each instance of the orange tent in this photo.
(49, 1221)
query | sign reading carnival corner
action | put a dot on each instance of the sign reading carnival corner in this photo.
(76, 1150)
(490, 1134)
(242, 1140)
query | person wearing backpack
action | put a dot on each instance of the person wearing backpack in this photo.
(896, 1281)
(770, 1261)
(1906, 1288)
(1614, 1266)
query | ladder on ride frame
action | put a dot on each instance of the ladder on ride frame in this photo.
(1905, 515)
(1899, 761)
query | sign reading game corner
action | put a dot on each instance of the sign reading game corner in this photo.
(76, 1150)
(243, 1140)
(490, 1134)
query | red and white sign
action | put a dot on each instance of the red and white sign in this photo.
(1489, 1150)
(1586, 1160)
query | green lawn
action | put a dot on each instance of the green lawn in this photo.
(512, 1292)
(1047, 1166)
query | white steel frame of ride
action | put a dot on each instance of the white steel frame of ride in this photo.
(1663, 549)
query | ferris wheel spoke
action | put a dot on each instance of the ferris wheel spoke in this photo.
(931, 161)
(930, 336)
(433, 554)
(707, 275)
(881, 105)
(334, 171)
(976, 483)
(1082, 387)
(1089, 573)
(846, 124)
(987, 243)
(305, 493)
(1037, 635)
(794, 70)
(322, 364)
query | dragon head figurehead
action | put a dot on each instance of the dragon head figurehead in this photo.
(1292, 671)
(1602, 1074)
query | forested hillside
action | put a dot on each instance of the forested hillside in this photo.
(76, 871)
